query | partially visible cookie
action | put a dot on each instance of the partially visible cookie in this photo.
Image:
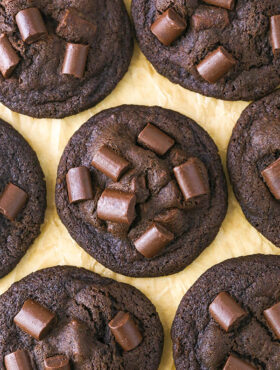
(83, 320)
(22, 197)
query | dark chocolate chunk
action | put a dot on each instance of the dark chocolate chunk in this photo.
(206, 17)
(227, 4)
(18, 360)
(79, 184)
(125, 331)
(8, 57)
(59, 362)
(12, 201)
(272, 316)
(235, 363)
(110, 163)
(275, 33)
(155, 139)
(75, 60)
(216, 65)
(226, 311)
(116, 206)
(271, 176)
(192, 178)
(31, 25)
(168, 27)
(34, 319)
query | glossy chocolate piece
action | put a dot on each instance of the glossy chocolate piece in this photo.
(235, 363)
(275, 33)
(59, 362)
(155, 238)
(75, 60)
(226, 311)
(227, 4)
(8, 57)
(216, 64)
(272, 316)
(206, 17)
(192, 178)
(12, 201)
(31, 25)
(155, 139)
(271, 176)
(18, 360)
(169, 27)
(116, 206)
(79, 184)
(34, 319)
(110, 163)
(125, 331)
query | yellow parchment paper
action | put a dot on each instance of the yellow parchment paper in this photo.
(48, 137)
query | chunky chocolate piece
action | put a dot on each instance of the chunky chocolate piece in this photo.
(8, 57)
(275, 33)
(79, 184)
(155, 139)
(216, 65)
(125, 331)
(155, 238)
(235, 363)
(271, 176)
(227, 4)
(110, 163)
(116, 206)
(59, 362)
(272, 316)
(206, 17)
(168, 27)
(34, 319)
(226, 311)
(18, 360)
(192, 178)
(31, 25)
(75, 60)
(12, 201)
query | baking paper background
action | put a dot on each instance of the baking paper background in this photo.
(48, 137)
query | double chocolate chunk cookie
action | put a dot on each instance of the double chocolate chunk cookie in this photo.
(67, 317)
(58, 58)
(254, 165)
(142, 190)
(22, 197)
(230, 318)
(228, 49)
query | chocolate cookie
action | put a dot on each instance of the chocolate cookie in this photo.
(71, 316)
(59, 58)
(228, 49)
(142, 190)
(252, 163)
(230, 318)
(22, 197)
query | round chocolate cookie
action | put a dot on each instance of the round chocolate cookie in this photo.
(22, 197)
(59, 58)
(146, 190)
(218, 48)
(230, 318)
(87, 321)
(253, 152)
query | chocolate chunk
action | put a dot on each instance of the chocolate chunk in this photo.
(168, 27)
(75, 60)
(226, 311)
(275, 33)
(60, 362)
(31, 25)
(34, 319)
(153, 240)
(272, 316)
(192, 178)
(271, 176)
(12, 201)
(235, 363)
(216, 65)
(206, 17)
(227, 4)
(79, 184)
(125, 331)
(155, 139)
(8, 57)
(116, 206)
(18, 360)
(110, 163)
